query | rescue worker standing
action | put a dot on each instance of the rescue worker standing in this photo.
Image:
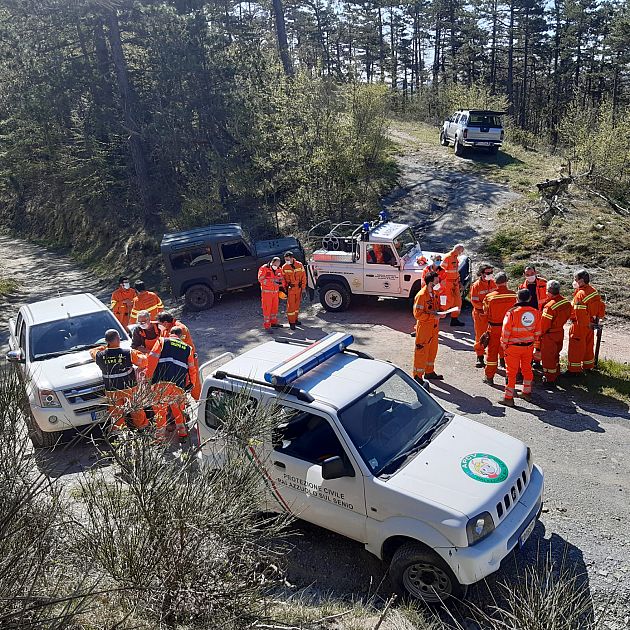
(171, 369)
(425, 308)
(145, 333)
(270, 278)
(294, 277)
(453, 288)
(556, 312)
(537, 286)
(166, 322)
(484, 285)
(435, 267)
(496, 304)
(521, 328)
(145, 301)
(119, 377)
(588, 309)
(122, 301)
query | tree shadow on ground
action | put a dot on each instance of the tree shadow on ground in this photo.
(466, 404)
(500, 159)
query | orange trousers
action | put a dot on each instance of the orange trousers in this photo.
(195, 392)
(169, 396)
(269, 307)
(480, 322)
(453, 297)
(518, 359)
(294, 297)
(494, 351)
(120, 400)
(426, 349)
(581, 352)
(550, 348)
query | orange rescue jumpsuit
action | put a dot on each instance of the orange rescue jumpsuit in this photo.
(450, 262)
(146, 301)
(294, 277)
(270, 283)
(521, 328)
(195, 392)
(122, 311)
(427, 330)
(120, 381)
(478, 292)
(171, 367)
(587, 305)
(495, 306)
(538, 291)
(556, 312)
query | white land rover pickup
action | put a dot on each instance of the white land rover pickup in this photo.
(381, 258)
(49, 342)
(361, 449)
(473, 128)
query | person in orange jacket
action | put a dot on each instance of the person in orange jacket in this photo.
(171, 370)
(452, 289)
(495, 305)
(270, 278)
(122, 301)
(145, 301)
(294, 278)
(119, 377)
(166, 322)
(556, 312)
(484, 285)
(520, 330)
(588, 310)
(435, 266)
(425, 308)
(537, 286)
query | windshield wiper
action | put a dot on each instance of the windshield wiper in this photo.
(49, 355)
(425, 439)
(85, 346)
(52, 355)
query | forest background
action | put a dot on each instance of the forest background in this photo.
(120, 120)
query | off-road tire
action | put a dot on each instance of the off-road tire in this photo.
(443, 140)
(459, 149)
(493, 150)
(39, 438)
(334, 297)
(199, 297)
(415, 569)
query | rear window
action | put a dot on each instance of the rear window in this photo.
(192, 258)
(484, 120)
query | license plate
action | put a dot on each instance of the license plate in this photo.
(99, 416)
(527, 532)
(483, 144)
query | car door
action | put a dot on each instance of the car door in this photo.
(452, 126)
(382, 273)
(239, 264)
(300, 445)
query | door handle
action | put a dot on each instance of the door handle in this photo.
(246, 268)
(369, 275)
(279, 464)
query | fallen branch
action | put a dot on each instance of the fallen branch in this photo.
(618, 208)
(390, 601)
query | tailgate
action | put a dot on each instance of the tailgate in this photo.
(488, 134)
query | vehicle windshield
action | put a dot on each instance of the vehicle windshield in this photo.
(484, 120)
(71, 334)
(390, 419)
(405, 242)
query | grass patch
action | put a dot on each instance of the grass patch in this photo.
(611, 379)
(8, 286)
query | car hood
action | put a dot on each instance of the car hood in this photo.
(468, 467)
(278, 246)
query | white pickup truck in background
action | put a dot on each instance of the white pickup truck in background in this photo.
(49, 342)
(473, 128)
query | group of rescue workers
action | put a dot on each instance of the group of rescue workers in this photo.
(519, 330)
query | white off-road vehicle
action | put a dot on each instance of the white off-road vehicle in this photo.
(361, 449)
(49, 342)
(381, 258)
(473, 128)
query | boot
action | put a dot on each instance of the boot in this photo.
(537, 365)
(506, 402)
(571, 374)
(502, 363)
(527, 397)
(418, 379)
(480, 362)
(456, 322)
(292, 326)
(276, 325)
(549, 384)
(434, 377)
(488, 380)
(298, 322)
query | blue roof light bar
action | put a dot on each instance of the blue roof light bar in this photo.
(307, 359)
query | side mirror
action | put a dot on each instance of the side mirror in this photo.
(15, 356)
(335, 467)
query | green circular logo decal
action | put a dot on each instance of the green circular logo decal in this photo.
(485, 468)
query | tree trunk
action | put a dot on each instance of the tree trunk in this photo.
(493, 52)
(130, 111)
(381, 44)
(523, 103)
(281, 35)
(510, 70)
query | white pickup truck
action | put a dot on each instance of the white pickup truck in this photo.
(49, 342)
(473, 128)
(362, 450)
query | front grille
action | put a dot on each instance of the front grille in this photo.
(87, 393)
(511, 497)
(88, 410)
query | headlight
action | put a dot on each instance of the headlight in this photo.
(48, 398)
(479, 527)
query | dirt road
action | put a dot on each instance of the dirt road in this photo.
(581, 444)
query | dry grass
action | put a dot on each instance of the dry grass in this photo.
(8, 286)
